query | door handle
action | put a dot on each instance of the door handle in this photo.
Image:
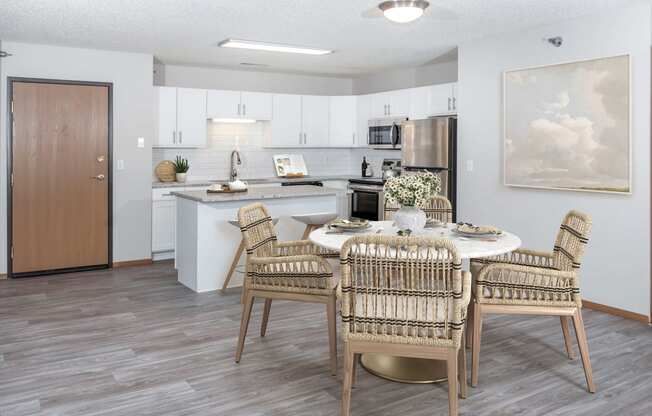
(389, 109)
(99, 177)
(449, 103)
(454, 103)
(180, 137)
(174, 137)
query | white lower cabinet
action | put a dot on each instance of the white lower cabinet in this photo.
(343, 197)
(164, 217)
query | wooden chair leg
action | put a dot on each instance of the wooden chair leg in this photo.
(234, 265)
(244, 324)
(451, 365)
(356, 357)
(583, 345)
(263, 325)
(469, 325)
(348, 379)
(332, 332)
(567, 338)
(307, 231)
(462, 369)
(477, 333)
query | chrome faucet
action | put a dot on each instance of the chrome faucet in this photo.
(234, 170)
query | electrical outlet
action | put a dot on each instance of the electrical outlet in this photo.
(121, 164)
(141, 142)
(469, 165)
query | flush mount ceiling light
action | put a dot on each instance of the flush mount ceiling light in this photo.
(401, 11)
(271, 47)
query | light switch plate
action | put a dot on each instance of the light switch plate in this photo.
(469, 165)
(141, 142)
(121, 164)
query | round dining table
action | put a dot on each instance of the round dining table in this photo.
(404, 369)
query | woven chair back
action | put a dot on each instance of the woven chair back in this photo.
(439, 208)
(257, 230)
(571, 241)
(402, 289)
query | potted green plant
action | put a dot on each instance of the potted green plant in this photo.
(181, 167)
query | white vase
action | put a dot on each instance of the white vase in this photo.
(181, 177)
(410, 218)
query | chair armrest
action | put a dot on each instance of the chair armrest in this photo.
(522, 257)
(515, 283)
(302, 247)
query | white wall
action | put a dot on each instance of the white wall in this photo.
(133, 116)
(616, 268)
(229, 79)
(397, 79)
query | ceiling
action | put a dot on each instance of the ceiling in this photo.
(187, 31)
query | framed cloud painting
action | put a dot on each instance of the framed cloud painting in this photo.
(567, 126)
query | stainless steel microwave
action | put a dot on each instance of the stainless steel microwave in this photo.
(385, 133)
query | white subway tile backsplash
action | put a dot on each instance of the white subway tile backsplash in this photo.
(213, 161)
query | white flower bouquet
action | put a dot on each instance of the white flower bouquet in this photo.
(413, 190)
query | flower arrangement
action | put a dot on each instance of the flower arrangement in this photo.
(413, 190)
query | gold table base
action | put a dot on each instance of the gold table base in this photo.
(403, 369)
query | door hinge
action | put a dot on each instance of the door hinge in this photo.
(12, 107)
(12, 252)
(12, 179)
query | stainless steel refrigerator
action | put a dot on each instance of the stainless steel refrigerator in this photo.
(431, 144)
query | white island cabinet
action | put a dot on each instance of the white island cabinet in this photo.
(206, 242)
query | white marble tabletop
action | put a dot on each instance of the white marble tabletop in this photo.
(466, 247)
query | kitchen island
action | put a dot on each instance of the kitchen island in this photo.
(206, 242)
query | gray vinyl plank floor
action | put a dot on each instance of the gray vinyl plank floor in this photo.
(133, 341)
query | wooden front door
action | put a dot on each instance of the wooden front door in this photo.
(60, 214)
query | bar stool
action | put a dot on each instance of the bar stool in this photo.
(314, 221)
(238, 254)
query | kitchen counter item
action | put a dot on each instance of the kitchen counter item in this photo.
(165, 171)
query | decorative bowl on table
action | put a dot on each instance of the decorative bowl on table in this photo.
(470, 230)
(341, 224)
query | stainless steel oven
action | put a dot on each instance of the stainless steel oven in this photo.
(367, 200)
(385, 133)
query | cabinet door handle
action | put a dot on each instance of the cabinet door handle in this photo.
(449, 103)
(180, 137)
(389, 109)
(353, 137)
(238, 109)
(244, 109)
(174, 137)
(454, 103)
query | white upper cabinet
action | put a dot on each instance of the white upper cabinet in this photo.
(314, 120)
(442, 99)
(167, 117)
(419, 103)
(223, 104)
(380, 105)
(191, 117)
(399, 103)
(363, 114)
(181, 117)
(239, 104)
(256, 105)
(286, 124)
(390, 104)
(342, 131)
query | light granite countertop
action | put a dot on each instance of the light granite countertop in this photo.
(263, 192)
(254, 181)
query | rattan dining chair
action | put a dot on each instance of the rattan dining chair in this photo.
(528, 282)
(439, 208)
(406, 297)
(291, 270)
